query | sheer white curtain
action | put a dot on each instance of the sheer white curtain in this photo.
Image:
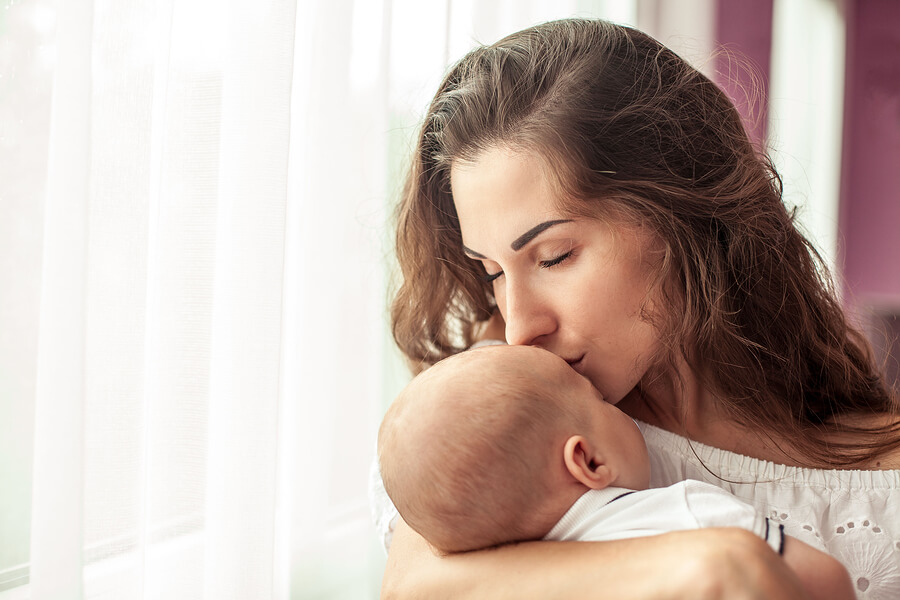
(159, 328)
(194, 235)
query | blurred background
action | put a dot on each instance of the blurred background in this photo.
(195, 258)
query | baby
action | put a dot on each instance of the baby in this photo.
(508, 443)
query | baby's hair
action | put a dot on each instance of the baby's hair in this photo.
(464, 459)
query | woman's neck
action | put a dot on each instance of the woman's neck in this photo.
(685, 407)
(682, 405)
(677, 402)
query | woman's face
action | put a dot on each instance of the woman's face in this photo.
(573, 286)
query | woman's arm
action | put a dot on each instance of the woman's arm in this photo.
(708, 564)
(823, 577)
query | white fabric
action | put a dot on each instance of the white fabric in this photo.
(190, 270)
(617, 514)
(853, 515)
(59, 438)
(384, 513)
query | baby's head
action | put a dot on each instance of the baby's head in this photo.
(493, 445)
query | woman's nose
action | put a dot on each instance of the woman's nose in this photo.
(528, 315)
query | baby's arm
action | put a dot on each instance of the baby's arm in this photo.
(822, 576)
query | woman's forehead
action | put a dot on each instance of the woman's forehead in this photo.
(502, 192)
(497, 168)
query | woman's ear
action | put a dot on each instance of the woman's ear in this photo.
(586, 464)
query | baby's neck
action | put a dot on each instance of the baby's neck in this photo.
(556, 505)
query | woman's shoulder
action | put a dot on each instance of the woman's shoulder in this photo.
(676, 458)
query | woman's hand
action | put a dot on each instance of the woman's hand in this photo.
(492, 329)
(708, 564)
(734, 563)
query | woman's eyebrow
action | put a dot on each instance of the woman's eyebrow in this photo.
(535, 231)
(521, 241)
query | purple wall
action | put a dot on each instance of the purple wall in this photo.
(870, 183)
(745, 29)
(869, 221)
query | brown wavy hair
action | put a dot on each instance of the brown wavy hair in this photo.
(629, 130)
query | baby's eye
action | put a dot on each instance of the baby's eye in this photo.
(546, 264)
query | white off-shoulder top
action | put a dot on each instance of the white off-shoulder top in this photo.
(853, 515)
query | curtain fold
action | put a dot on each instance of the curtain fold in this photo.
(334, 344)
(246, 341)
(57, 539)
(209, 358)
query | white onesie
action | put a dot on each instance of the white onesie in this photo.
(616, 513)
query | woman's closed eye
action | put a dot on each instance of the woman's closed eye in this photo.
(544, 264)
(489, 277)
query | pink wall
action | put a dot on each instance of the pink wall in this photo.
(869, 222)
(869, 228)
(870, 182)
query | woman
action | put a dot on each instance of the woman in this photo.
(602, 196)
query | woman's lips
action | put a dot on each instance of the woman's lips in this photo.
(576, 363)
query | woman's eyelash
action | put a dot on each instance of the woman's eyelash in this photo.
(546, 264)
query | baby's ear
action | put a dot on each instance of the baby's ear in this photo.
(586, 464)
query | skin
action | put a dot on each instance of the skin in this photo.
(586, 308)
(592, 443)
(605, 447)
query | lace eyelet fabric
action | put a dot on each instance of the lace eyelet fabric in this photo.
(851, 514)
